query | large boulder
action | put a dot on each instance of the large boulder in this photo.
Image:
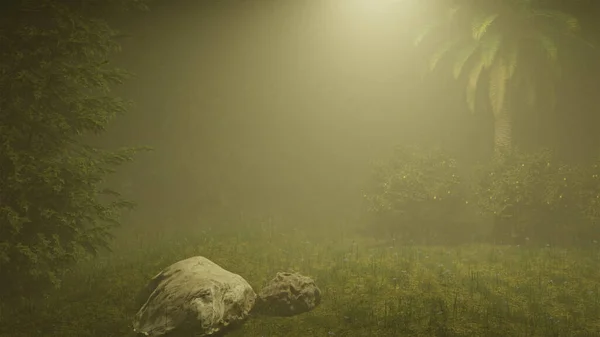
(193, 296)
(288, 294)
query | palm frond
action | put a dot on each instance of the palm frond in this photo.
(472, 84)
(582, 40)
(439, 54)
(419, 39)
(490, 46)
(497, 87)
(463, 56)
(481, 24)
(568, 22)
(512, 56)
(450, 14)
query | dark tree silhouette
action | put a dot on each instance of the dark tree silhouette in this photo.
(55, 80)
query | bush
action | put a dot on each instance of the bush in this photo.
(534, 198)
(417, 195)
(588, 184)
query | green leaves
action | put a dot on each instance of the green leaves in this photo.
(439, 54)
(545, 192)
(412, 181)
(560, 20)
(481, 24)
(56, 82)
(487, 40)
(462, 57)
(430, 28)
(472, 84)
(490, 48)
(512, 57)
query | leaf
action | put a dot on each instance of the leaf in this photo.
(481, 24)
(491, 46)
(472, 84)
(439, 54)
(462, 57)
(419, 39)
(568, 21)
(512, 59)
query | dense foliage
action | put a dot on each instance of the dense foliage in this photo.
(415, 193)
(530, 196)
(534, 196)
(513, 51)
(55, 79)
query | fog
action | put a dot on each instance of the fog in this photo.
(278, 109)
(261, 210)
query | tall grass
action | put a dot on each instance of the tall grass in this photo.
(368, 289)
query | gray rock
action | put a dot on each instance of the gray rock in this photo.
(288, 294)
(195, 297)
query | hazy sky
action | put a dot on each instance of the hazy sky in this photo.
(281, 106)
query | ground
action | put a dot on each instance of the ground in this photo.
(368, 289)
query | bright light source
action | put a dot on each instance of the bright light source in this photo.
(379, 4)
(379, 7)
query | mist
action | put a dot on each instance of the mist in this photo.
(315, 139)
(280, 109)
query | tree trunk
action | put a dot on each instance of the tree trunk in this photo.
(502, 132)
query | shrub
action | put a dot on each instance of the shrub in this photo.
(416, 194)
(534, 198)
(588, 183)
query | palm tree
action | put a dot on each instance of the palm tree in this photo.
(511, 45)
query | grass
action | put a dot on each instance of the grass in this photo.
(368, 289)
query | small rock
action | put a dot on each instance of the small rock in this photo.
(288, 294)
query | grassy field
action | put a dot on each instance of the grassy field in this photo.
(369, 288)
